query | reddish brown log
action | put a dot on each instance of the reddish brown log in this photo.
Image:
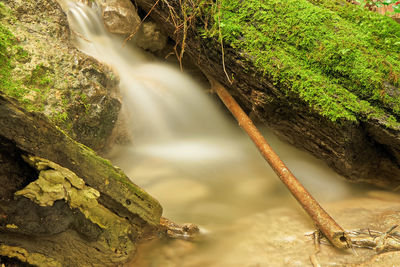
(321, 218)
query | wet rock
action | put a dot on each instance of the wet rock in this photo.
(78, 93)
(151, 37)
(120, 16)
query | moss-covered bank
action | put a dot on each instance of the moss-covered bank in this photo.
(339, 58)
(322, 74)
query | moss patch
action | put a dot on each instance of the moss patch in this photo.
(339, 58)
(41, 69)
(9, 52)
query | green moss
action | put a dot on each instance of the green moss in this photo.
(22, 55)
(343, 61)
(41, 76)
(10, 54)
(7, 42)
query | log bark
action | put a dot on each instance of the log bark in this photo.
(366, 151)
(325, 223)
(60, 203)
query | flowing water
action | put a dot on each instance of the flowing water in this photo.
(188, 153)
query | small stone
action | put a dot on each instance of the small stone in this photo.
(119, 16)
(150, 37)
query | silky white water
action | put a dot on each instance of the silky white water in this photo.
(186, 152)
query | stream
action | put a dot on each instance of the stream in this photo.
(192, 156)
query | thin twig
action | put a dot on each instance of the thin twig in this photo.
(336, 235)
(185, 27)
(171, 11)
(222, 43)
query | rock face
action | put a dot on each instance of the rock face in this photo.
(120, 16)
(49, 75)
(58, 195)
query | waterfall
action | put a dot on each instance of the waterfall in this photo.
(185, 150)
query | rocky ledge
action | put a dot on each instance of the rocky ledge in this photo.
(60, 203)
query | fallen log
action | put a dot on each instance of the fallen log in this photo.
(325, 223)
(60, 203)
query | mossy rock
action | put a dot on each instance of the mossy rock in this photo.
(65, 197)
(43, 70)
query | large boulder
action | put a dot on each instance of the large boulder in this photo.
(121, 17)
(47, 74)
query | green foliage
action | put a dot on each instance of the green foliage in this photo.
(379, 3)
(340, 58)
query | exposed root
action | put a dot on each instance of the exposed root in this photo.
(222, 43)
(379, 241)
(183, 24)
(366, 238)
(187, 231)
(317, 241)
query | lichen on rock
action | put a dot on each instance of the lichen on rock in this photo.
(23, 255)
(86, 207)
(57, 183)
(47, 74)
